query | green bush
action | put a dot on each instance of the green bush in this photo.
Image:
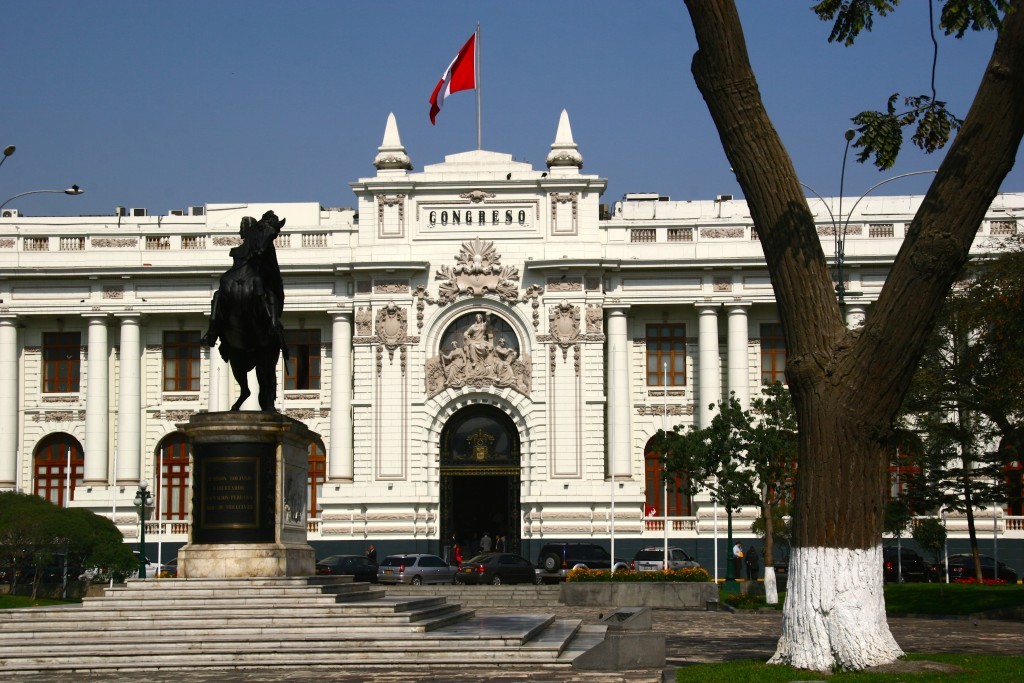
(686, 575)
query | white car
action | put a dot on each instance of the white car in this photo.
(652, 559)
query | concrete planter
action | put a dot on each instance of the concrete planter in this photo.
(690, 596)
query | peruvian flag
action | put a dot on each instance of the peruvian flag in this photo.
(460, 75)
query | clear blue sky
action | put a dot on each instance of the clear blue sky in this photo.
(165, 105)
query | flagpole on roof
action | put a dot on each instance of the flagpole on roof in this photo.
(476, 79)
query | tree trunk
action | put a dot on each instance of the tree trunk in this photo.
(847, 385)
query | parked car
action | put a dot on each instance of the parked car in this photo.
(906, 565)
(359, 566)
(555, 560)
(415, 568)
(496, 569)
(652, 559)
(962, 567)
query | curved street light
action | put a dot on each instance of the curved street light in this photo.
(840, 226)
(8, 151)
(74, 191)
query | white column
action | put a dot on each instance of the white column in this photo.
(225, 380)
(710, 388)
(855, 315)
(97, 402)
(213, 398)
(340, 463)
(618, 393)
(8, 402)
(738, 362)
(129, 401)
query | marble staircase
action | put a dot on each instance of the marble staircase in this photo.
(283, 622)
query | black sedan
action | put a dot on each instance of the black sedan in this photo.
(359, 566)
(962, 567)
(496, 569)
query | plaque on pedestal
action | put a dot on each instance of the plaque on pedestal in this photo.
(249, 479)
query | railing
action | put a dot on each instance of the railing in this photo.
(37, 244)
(315, 240)
(688, 523)
(1014, 523)
(680, 234)
(881, 230)
(193, 242)
(72, 244)
(643, 235)
(158, 243)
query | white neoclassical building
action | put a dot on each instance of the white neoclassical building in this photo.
(481, 346)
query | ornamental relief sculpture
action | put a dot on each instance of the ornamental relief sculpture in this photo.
(476, 358)
(478, 271)
(391, 327)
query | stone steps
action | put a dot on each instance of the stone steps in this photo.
(316, 621)
(484, 597)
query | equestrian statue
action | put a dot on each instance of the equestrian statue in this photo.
(246, 310)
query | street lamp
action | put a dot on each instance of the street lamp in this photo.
(840, 226)
(143, 497)
(74, 190)
(8, 151)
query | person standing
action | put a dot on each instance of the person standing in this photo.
(371, 554)
(751, 560)
(457, 553)
(485, 543)
(737, 560)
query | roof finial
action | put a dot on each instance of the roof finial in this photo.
(391, 154)
(563, 150)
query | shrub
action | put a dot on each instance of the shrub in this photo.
(744, 600)
(685, 575)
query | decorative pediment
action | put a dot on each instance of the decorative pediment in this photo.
(477, 196)
(478, 271)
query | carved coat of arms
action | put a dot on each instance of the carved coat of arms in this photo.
(564, 322)
(478, 271)
(392, 326)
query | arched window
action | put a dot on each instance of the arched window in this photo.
(51, 467)
(317, 476)
(172, 464)
(678, 503)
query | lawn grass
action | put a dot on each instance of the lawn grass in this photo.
(19, 601)
(951, 598)
(976, 669)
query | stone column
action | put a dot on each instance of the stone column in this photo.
(129, 401)
(9, 403)
(339, 459)
(618, 393)
(710, 389)
(738, 361)
(213, 398)
(97, 401)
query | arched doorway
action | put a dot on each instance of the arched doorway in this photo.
(51, 479)
(480, 474)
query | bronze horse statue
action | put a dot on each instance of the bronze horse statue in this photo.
(246, 310)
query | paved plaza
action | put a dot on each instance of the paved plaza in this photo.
(691, 638)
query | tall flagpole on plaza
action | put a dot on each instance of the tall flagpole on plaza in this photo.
(476, 81)
(113, 505)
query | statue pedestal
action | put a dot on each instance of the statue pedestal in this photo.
(249, 481)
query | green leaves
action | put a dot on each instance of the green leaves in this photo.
(851, 16)
(976, 15)
(881, 133)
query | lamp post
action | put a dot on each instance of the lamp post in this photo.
(8, 151)
(840, 226)
(143, 497)
(73, 191)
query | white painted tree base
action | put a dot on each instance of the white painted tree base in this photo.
(834, 615)
(771, 588)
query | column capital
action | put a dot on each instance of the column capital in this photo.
(128, 316)
(341, 313)
(96, 316)
(737, 305)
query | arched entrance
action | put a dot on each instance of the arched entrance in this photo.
(480, 476)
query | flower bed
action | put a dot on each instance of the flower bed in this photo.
(685, 575)
(690, 589)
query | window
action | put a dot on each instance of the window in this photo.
(172, 460)
(316, 477)
(61, 362)
(666, 347)
(773, 354)
(679, 504)
(181, 361)
(303, 370)
(51, 468)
